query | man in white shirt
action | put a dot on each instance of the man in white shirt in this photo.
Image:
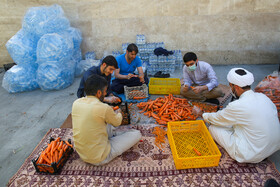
(248, 128)
(200, 81)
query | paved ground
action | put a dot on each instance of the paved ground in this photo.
(26, 117)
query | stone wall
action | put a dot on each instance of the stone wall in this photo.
(219, 31)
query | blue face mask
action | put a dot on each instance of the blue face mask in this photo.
(192, 68)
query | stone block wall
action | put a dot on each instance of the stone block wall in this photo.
(219, 31)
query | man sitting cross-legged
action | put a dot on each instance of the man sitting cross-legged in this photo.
(96, 140)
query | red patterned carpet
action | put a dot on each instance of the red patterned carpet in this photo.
(142, 165)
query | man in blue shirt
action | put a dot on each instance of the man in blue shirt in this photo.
(128, 63)
(200, 81)
(107, 67)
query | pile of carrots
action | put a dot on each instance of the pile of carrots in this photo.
(160, 137)
(53, 152)
(270, 86)
(169, 108)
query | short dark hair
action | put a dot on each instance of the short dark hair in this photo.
(132, 47)
(110, 61)
(189, 56)
(242, 72)
(95, 83)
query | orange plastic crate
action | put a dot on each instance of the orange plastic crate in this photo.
(184, 136)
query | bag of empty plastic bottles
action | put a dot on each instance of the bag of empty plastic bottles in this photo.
(54, 48)
(42, 20)
(20, 78)
(76, 35)
(22, 47)
(84, 65)
(55, 76)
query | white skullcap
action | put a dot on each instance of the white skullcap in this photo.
(240, 80)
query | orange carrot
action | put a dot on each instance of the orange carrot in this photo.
(46, 159)
(60, 154)
(60, 145)
(56, 156)
(116, 108)
(197, 152)
(154, 115)
(68, 144)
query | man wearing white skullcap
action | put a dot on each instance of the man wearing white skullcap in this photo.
(248, 128)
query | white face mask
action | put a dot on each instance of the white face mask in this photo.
(192, 68)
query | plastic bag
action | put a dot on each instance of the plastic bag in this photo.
(83, 65)
(55, 76)
(76, 36)
(43, 20)
(22, 47)
(90, 55)
(271, 81)
(197, 112)
(20, 78)
(79, 70)
(270, 86)
(54, 48)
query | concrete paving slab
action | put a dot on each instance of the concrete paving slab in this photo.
(26, 117)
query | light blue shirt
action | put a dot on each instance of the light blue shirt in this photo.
(202, 75)
(126, 68)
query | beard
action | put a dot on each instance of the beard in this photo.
(233, 93)
(101, 98)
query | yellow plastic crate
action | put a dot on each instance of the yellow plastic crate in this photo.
(184, 136)
(164, 86)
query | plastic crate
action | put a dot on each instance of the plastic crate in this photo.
(136, 91)
(164, 86)
(54, 168)
(184, 136)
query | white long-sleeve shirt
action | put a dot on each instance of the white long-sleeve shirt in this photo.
(256, 129)
(202, 75)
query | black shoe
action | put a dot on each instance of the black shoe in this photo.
(213, 101)
(158, 74)
(271, 183)
(165, 75)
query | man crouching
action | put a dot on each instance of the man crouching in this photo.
(95, 137)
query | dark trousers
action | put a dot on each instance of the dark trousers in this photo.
(118, 84)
